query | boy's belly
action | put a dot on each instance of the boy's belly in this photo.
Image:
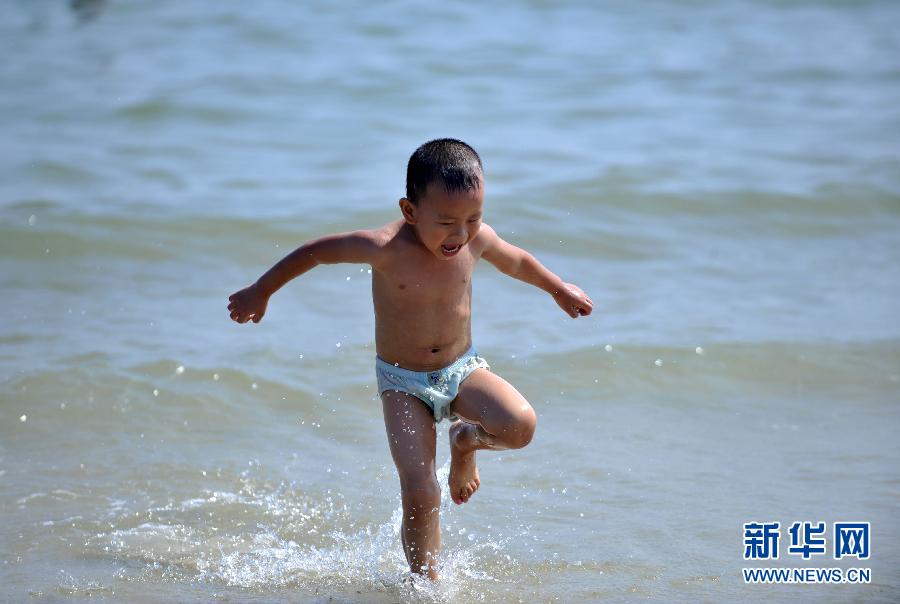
(423, 319)
(423, 341)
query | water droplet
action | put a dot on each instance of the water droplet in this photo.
(348, 278)
(658, 362)
(155, 392)
(301, 356)
(608, 348)
(216, 377)
(23, 418)
(179, 370)
(32, 220)
(699, 350)
(338, 344)
(254, 385)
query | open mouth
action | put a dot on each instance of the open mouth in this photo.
(449, 251)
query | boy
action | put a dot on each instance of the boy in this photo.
(426, 365)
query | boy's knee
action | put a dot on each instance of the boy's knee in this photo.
(524, 429)
(421, 491)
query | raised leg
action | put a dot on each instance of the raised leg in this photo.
(494, 415)
(411, 436)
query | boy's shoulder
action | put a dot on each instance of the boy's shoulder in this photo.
(387, 236)
(380, 242)
(486, 234)
(486, 239)
(394, 240)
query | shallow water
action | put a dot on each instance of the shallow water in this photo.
(720, 177)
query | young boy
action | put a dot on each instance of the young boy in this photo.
(426, 364)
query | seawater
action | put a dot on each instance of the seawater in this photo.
(720, 177)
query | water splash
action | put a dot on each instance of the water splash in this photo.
(263, 537)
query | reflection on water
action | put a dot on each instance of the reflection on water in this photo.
(87, 9)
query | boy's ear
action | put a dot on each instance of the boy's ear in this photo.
(408, 210)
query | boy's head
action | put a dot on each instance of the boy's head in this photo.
(443, 161)
(444, 195)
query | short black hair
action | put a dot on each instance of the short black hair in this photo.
(447, 160)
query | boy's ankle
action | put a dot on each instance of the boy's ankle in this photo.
(464, 439)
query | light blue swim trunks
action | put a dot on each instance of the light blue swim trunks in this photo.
(437, 389)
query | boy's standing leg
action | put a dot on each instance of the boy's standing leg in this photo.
(412, 439)
(494, 415)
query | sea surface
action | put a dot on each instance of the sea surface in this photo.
(721, 177)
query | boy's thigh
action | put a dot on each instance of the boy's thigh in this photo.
(411, 434)
(487, 399)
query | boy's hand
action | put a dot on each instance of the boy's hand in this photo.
(249, 303)
(573, 301)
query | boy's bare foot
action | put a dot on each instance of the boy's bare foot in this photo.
(463, 479)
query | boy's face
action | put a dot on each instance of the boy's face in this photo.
(445, 221)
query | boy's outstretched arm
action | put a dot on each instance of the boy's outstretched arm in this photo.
(518, 263)
(356, 247)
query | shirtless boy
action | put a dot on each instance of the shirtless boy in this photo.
(427, 366)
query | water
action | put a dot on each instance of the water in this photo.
(716, 175)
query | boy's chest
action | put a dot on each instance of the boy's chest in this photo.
(429, 282)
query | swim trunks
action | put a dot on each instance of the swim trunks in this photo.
(437, 389)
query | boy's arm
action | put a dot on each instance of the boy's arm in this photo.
(520, 264)
(355, 247)
(358, 247)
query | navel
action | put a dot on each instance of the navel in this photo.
(435, 350)
(401, 286)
